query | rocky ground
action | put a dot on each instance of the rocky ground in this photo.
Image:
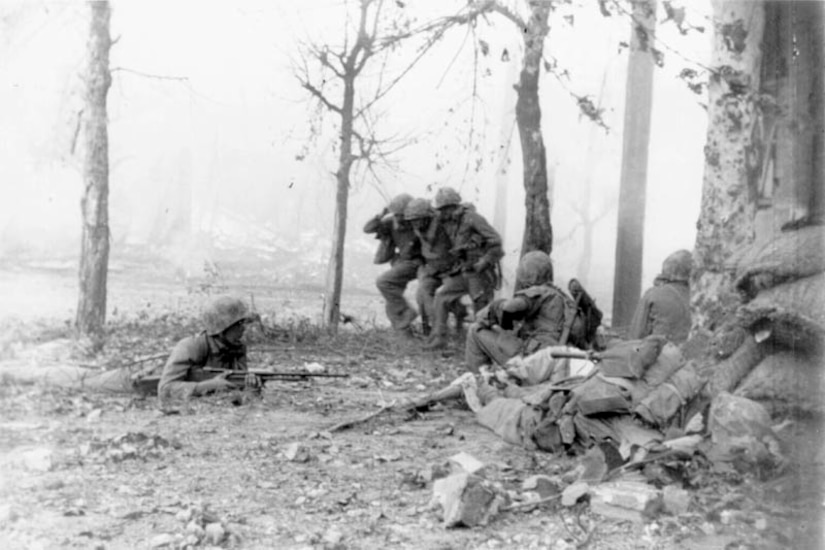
(83, 469)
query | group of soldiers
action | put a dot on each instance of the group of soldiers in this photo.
(452, 251)
(446, 245)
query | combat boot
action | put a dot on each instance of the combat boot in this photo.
(436, 341)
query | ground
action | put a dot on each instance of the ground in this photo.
(82, 469)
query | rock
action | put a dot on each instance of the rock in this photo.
(162, 541)
(573, 493)
(741, 429)
(194, 528)
(545, 486)
(214, 533)
(676, 500)
(333, 536)
(94, 416)
(625, 500)
(295, 452)
(314, 368)
(8, 514)
(36, 460)
(465, 500)
(467, 463)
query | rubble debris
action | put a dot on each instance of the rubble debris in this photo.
(296, 452)
(467, 463)
(466, 500)
(544, 486)
(128, 446)
(573, 493)
(676, 500)
(626, 500)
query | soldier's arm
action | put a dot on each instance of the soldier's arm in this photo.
(493, 249)
(376, 224)
(188, 353)
(641, 323)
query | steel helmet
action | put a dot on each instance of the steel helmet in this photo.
(677, 266)
(222, 313)
(399, 203)
(534, 268)
(418, 209)
(446, 196)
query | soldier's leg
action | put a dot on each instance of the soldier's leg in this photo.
(481, 288)
(425, 296)
(392, 284)
(486, 346)
(452, 289)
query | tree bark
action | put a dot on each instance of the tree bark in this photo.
(726, 222)
(538, 233)
(627, 283)
(94, 251)
(335, 267)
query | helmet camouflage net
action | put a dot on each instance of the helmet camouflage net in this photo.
(399, 203)
(418, 209)
(677, 266)
(222, 313)
(534, 268)
(446, 196)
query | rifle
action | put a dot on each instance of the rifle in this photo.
(593, 356)
(264, 375)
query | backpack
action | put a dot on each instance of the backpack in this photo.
(581, 317)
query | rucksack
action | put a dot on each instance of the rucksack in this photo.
(581, 317)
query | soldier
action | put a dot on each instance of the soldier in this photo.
(404, 255)
(477, 248)
(537, 316)
(436, 249)
(665, 308)
(219, 346)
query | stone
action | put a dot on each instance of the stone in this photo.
(676, 500)
(38, 460)
(544, 485)
(214, 533)
(314, 368)
(625, 500)
(162, 541)
(465, 500)
(333, 536)
(574, 492)
(295, 452)
(467, 463)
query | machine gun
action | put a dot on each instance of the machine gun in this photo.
(148, 385)
(265, 375)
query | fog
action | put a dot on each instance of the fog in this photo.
(212, 143)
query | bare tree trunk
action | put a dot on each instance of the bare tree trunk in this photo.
(627, 283)
(94, 252)
(335, 268)
(538, 233)
(726, 222)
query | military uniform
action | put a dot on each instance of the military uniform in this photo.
(539, 308)
(405, 262)
(184, 369)
(478, 249)
(219, 346)
(665, 308)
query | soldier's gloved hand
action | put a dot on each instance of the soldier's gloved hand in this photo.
(481, 265)
(252, 381)
(217, 383)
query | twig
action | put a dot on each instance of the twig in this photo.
(521, 505)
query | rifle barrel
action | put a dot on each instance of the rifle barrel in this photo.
(277, 374)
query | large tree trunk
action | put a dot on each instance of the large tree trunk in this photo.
(335, 268)
(538, 233)
(726, 222)
(627, 283)
(94, 252)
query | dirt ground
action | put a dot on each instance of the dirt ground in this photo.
(87, 470)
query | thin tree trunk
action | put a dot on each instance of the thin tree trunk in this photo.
(538, 233)
(726, 222)
(335, 268)
(627, 283)
(94, 252)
